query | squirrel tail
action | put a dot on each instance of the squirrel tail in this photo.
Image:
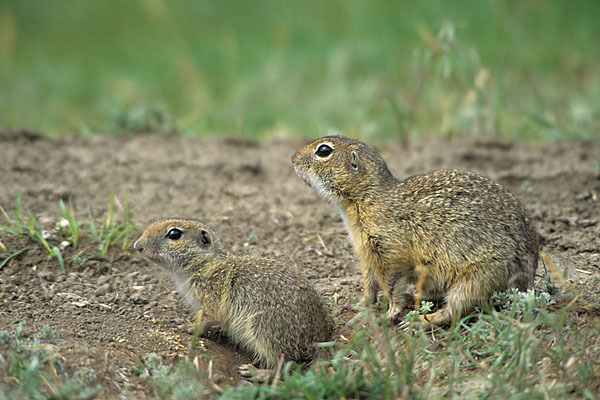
(554, 271)
(575, 303)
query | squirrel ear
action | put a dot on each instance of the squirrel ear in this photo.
(205, 239)
(354, 161)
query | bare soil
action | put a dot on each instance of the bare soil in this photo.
(110, 312)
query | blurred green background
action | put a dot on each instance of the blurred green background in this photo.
(266, 68)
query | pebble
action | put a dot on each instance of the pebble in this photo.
(47, 275)
(137, 299)
(102, 279)
(102, 290)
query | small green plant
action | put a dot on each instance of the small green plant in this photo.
(68, 226)
(525, 306)
(113, 230)
(181, 381)
(32, 369)
(116, 229)
(253, 239)
(32, 228)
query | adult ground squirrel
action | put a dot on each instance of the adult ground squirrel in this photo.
(458, 236)
(262, 306)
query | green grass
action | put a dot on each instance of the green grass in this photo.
(21, 226)
(521, 352)
(66, 231)
(182, 381)
(380, 69)
(32, 368)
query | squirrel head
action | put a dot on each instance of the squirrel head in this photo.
(341, 169)
(172, 243)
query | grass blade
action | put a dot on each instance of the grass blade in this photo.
(7, 259)
(92, 226)
(5, 214)
(18, 212)
(56, 252)
(68, 213)
(11, 230)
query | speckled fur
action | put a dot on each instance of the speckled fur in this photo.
(456, 235)
(262, 306)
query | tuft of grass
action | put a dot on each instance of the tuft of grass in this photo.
(115, 230)
(116, 227)
(68, 226)
(32, 368)
(181, 381)
(32, 228)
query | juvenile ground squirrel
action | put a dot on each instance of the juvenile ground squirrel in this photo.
(262, 306)
(458, 236)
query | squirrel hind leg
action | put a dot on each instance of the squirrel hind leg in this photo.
(460, 300)
(439, 318)
(250, 371)
(400, 300)
(371, 287)
(423, 284)
(266, 356)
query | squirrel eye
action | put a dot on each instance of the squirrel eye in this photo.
(174, 234)
(323, 151)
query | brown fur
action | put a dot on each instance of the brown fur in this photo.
(456, 235)
(262, 306)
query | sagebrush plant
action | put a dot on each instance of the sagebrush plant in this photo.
(32, 368)
(115, 229)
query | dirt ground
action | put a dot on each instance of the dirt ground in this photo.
(113, 311)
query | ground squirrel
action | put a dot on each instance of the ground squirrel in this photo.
(262, 306)
(456, 235)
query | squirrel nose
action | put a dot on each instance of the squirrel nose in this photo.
(295, 157)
